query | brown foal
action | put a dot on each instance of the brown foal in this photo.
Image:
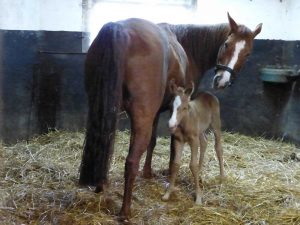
(188, 123)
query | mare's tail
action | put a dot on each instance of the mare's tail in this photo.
(103, 83)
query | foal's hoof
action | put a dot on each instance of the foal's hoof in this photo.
(166, 197)
(221, 179)
(198, 201)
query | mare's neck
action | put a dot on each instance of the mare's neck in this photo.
(201, 44)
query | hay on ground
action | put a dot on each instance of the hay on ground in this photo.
(38, 184)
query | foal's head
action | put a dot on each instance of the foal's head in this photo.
(233, 53)
(180, 104)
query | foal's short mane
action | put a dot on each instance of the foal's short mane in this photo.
(202, 42)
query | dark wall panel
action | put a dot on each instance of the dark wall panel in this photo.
(254, 107)
(41, 88)
(18, 58)
(41, 84)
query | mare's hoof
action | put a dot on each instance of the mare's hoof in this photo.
(166, 172)
(148, 175)
(100, 187)
(123, 219)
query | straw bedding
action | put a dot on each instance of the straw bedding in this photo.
(38, 184)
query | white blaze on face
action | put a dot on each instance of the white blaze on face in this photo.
(226, 75)
(173, 119)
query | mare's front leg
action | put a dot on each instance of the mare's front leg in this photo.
(172, 155)
(174, 168)
(147, 170)
(194, 144)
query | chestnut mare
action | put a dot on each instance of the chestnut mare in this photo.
(129, 65)
(188, 123)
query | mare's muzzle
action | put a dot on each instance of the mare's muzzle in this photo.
(217, 79)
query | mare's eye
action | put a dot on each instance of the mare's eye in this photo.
(225, 45)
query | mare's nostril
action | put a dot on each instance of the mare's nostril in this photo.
(216, 81)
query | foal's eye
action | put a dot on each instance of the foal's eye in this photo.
(225, 45)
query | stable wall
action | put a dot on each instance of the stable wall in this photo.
(41, 83)
(41, 88)
(53, 15)
(280, 17)
(258, 108)
(41, 72)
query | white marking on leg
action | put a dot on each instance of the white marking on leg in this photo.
(226, 75)
(173, 119)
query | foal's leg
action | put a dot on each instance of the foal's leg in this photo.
(174, 169)
(216, 127)
(147, 171)
(219, 151)
(194, 144)
(203, 146)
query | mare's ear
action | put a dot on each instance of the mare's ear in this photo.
(232, 23)
(190, 89)
(257, 30)
(173, 87)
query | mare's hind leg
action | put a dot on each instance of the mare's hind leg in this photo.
(147, 171)
(174, 169)
(141, 129)
(194, 144)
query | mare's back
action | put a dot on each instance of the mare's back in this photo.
(144, 37)
(146, 61)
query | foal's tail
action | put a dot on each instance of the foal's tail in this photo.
(103, 83)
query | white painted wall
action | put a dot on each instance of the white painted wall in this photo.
(280, 18)
(41, 15)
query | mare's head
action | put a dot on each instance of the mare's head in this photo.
(233, 53)
(180, 104)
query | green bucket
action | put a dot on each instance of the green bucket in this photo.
(278, 75)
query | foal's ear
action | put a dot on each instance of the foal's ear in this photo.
(189, 90)
(257, 30)
(232, 23)
(173, 87)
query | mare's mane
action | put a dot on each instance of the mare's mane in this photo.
(201, 43)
